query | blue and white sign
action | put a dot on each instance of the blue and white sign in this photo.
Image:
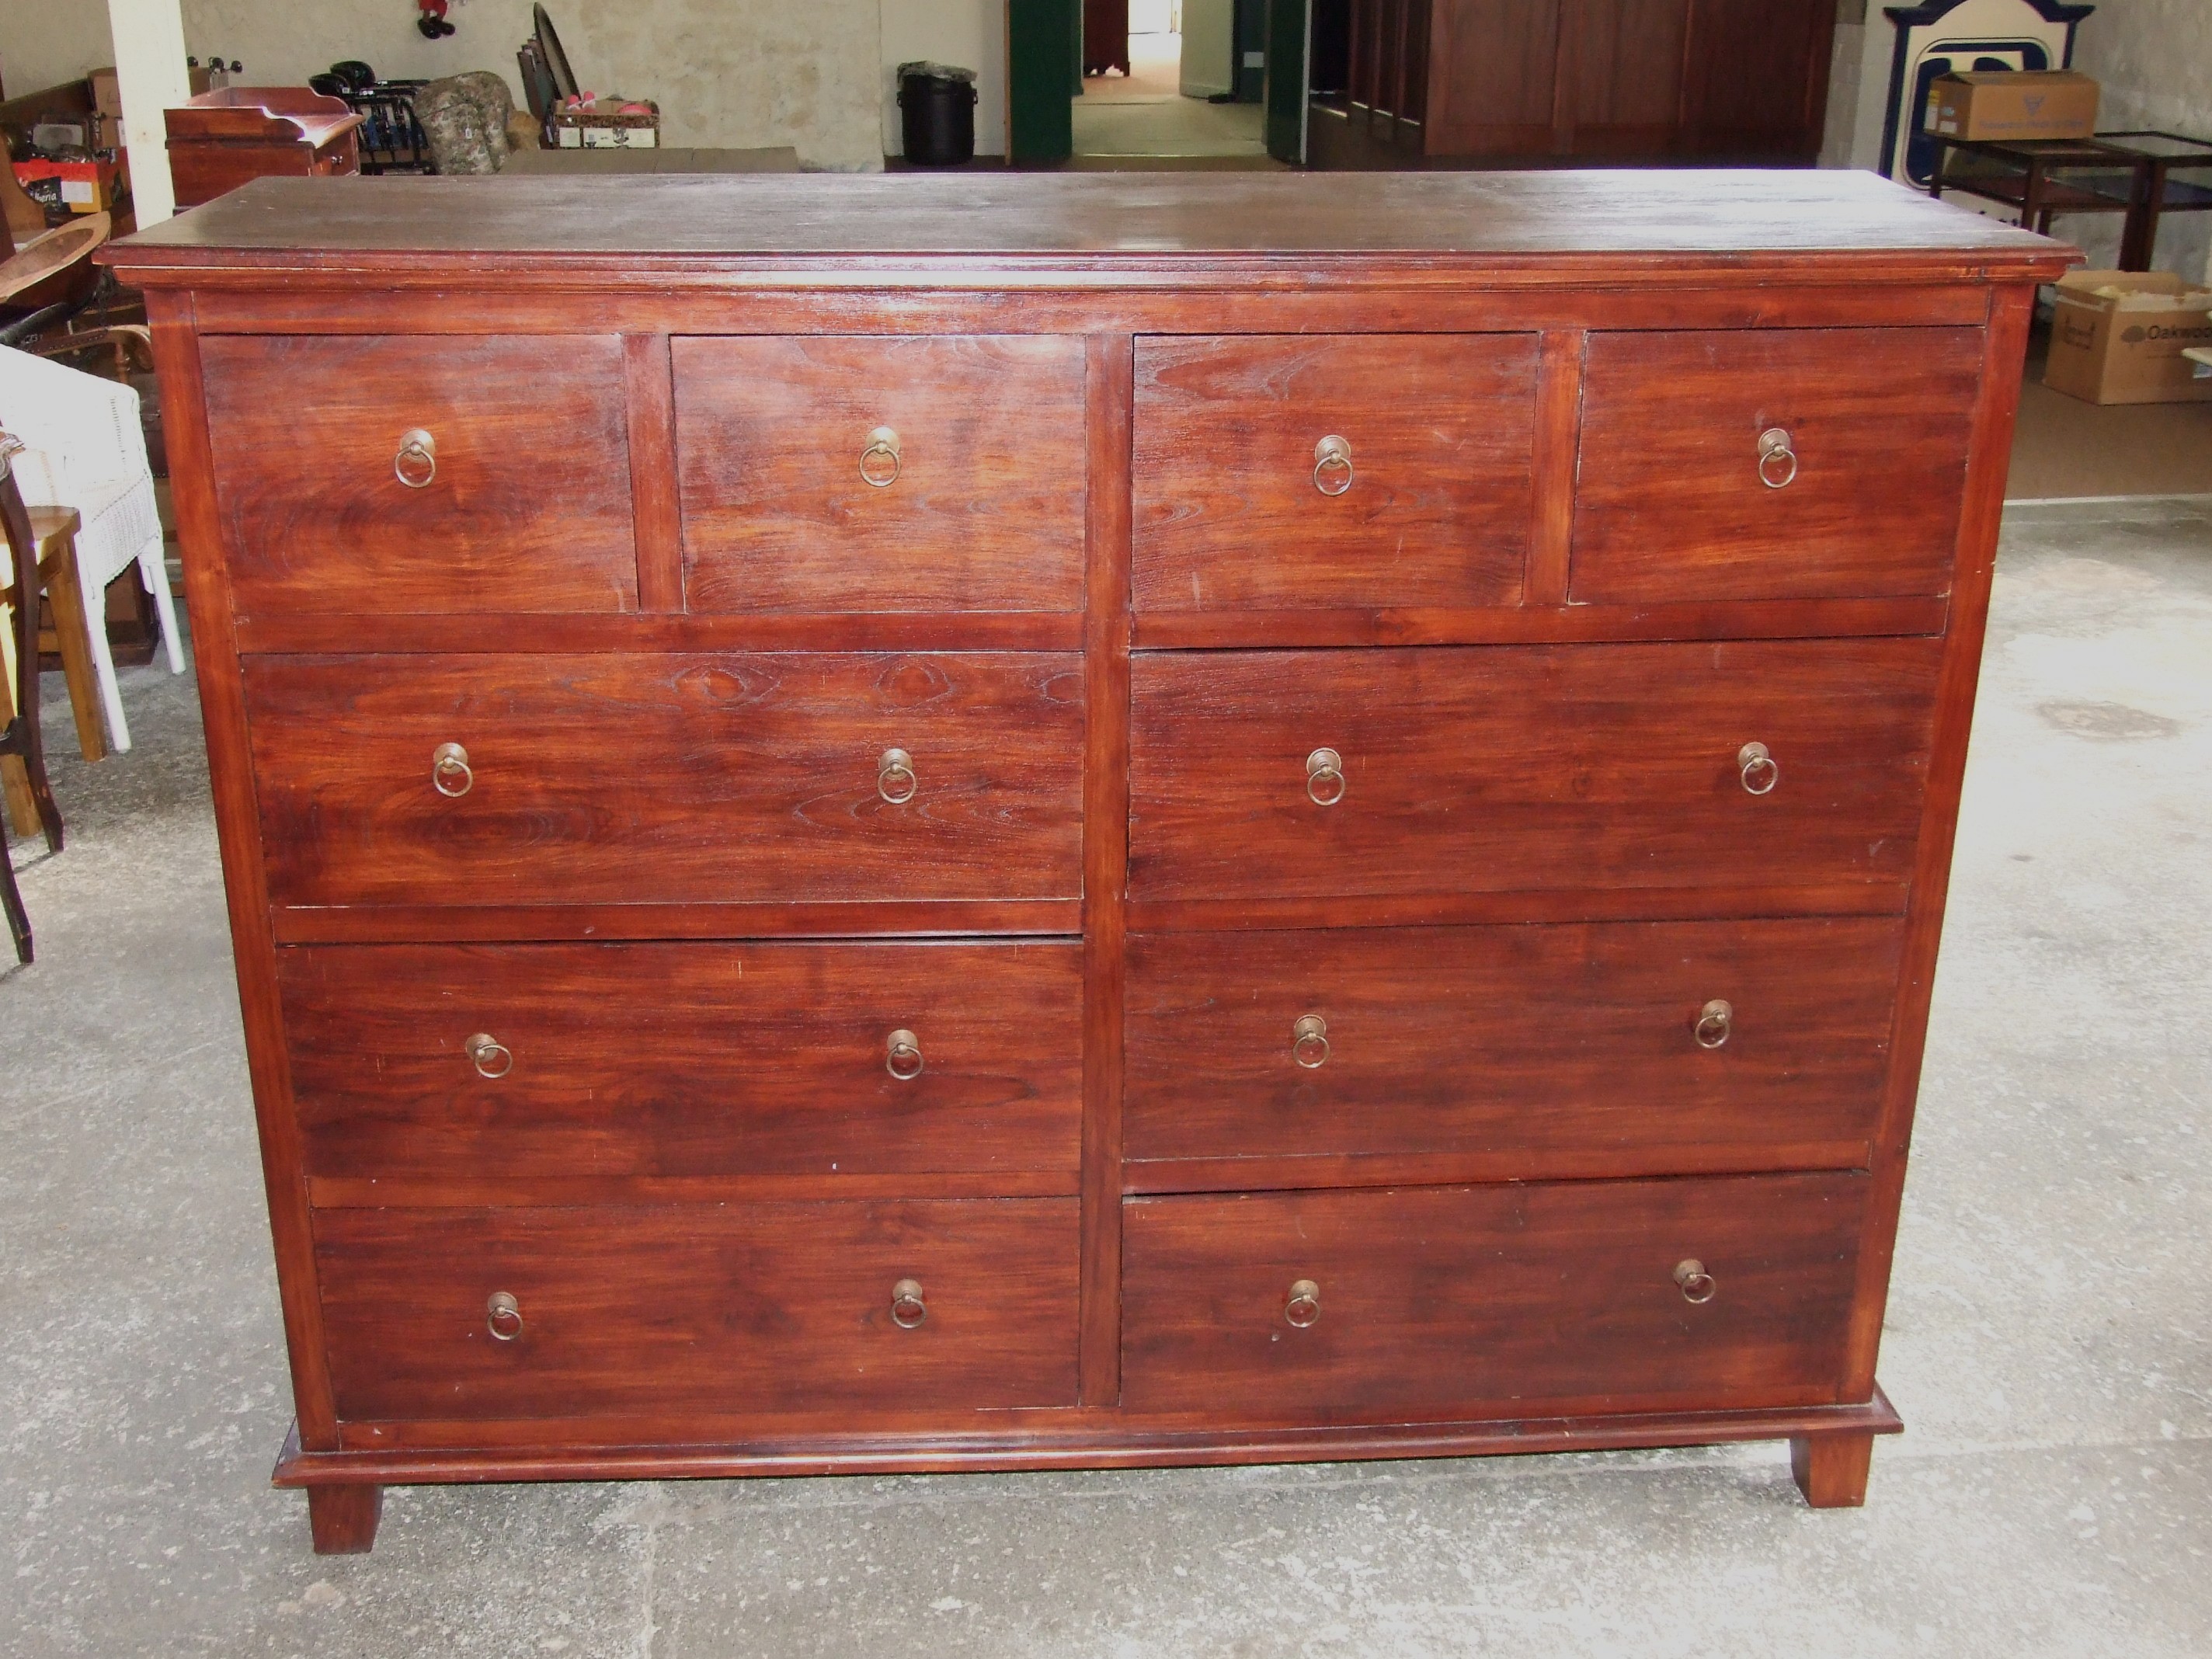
(1947, 36)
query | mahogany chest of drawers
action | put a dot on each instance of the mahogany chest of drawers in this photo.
(995, 823)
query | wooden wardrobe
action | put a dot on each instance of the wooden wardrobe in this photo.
(1493, 82)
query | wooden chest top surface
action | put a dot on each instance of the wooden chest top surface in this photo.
(1471, 221)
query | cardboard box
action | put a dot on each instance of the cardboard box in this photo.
(2012, 104)
(107, 92)
(79, 186)
(2117, 336)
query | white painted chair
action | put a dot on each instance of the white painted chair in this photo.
(87, 450)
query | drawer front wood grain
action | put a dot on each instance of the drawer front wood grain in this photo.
(1555, 1038)
(745, 776)
(1670, 504)
(684, 1059)
(982, 506)
(732, 1309)
(524, 498)
(1517, 768)
(1234, 511)
(1508, 1301)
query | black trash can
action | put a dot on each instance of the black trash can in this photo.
(937, 113)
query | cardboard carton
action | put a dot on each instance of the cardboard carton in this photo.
(2117, 336)
(107, 92)
(2012, 104)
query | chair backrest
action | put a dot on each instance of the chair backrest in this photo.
(82, 431)
(19, 736)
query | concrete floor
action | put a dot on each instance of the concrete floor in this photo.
(2050, 1341)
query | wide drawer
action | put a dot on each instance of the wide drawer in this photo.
(519, 1062)
(1493, 1301)
(842, 474)
(519, 502)
(1596, 1040)
(1508, 768)
(758, 1308)
(1681, 494)
(1237, 506)
(745, 776)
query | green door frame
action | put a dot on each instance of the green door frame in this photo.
(1290, 42)
(1044, 72)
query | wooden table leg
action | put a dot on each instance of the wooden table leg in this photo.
(344, 1518)
(14, 779)
(1831, 1469)
(58, 574)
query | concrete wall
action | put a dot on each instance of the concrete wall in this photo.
(2154, 60)
(970, 34)
(740, 73)
(44, 43)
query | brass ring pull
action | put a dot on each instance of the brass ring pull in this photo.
(1715, 1020)
(1331, 472)
(895, 779)
(1697, 1283)
(1303, 1306)
(1325, 777)
(449, 770)
(492, 1058)
(1775, 453)
(909, 1309)
(1757, 768)
(417, 462)
(1310, 1042)
(902, 1056)
(883, 445)
(503, 1314)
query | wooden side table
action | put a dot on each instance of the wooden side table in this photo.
(2041, 177)
(222, 139)
(2177, 178)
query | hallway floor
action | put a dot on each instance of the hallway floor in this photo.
(1143, 113)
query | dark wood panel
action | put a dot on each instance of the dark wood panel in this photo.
(1537, 625)
(1452, 1298)
(512, 924)
(1672, 506)
(684, 1060)
(673, 779)
(702, 1446)
(1496, 770)
(1628, 69)
(775, 1306)
(1756, 79)
(1435, 501)
(1265, 1173)
(918, 631)
(528, 509)
(1743, 901)
(1493, 68)
(176, 350)
(984, 507)
(1109, 368)
(1436, 1041)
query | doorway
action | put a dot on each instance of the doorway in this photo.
(1179, 86)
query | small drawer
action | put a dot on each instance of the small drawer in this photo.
(1258, 776)
(1289, 471)
(1595, 1039)
(738, 777)
(841, 474)
(1506, 1301)
(1773, 463)
(454, 1314)
(520, 1062)
(443, 474)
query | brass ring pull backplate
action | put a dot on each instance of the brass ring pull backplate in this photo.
(492, 1058)
(1332, 473)
(908, 1308)
(903, 1055)
(417, 462)
(894, 777)
(1715, 1020)
(1777, 459)
(1756, 767)
(503, 1314)
(1302, 1307)
(1696, 1283)
(1310, 1042)
(1325, 777)
(879, 461)
(450, 774)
